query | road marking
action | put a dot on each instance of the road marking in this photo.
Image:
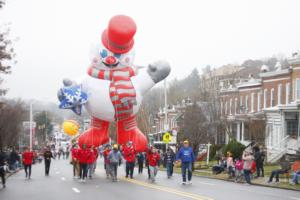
(57, 172)
(169, 190)
(75, 190)
(205, 183)
(63, 178)
(295, 198)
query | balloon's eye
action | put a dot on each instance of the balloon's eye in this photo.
(117, 55)
(103, 53)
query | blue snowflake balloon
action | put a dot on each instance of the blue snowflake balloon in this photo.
(73, 98)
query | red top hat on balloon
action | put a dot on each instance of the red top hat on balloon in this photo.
(118, 37)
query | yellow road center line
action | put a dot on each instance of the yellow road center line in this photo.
(167, 189)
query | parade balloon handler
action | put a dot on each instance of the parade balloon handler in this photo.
(91, 161)
(115, 160)
(129, 156)
(186, 156)
(106, 152)
(169, 159)
(75, 161)
(113, 88)
(146, 160)
(140, 159)
(47, 159)
(84, 155)
(27, 157)
(153, 161)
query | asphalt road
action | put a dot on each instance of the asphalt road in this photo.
(60, 185)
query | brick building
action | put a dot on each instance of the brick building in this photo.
(265, 106)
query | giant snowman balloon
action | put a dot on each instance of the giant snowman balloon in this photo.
(113, 88)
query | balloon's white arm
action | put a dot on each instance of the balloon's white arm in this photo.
(147, 77)
(142, 81)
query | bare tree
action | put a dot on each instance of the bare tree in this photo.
(6, 54)
(12, 114)
(195, 126)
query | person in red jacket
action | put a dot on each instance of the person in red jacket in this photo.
(27, 158)
(75, 161)
(92, 161)
(153, 160)
(84, 155)
(129, 156)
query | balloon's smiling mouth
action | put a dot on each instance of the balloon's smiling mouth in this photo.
(110, 65)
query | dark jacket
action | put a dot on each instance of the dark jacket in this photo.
(140, 158)
(169, 158)
(3, 158)
(13, 157)
(259, 158)
(285, 165)
(48, 155)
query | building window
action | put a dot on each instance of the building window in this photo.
(292, 127)
(252, 102)
(241, 104)
(279, 94)
(272, 100)
(297, 89)
(265, 97)
(235, 105)
(221, 107)
(258, 101)
(246, 103)
(225, 107)
(230, 106)
(287, 93)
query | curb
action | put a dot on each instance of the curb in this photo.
(256, 184)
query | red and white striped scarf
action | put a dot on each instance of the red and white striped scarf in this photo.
(121, 90)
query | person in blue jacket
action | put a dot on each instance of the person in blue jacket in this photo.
(187, 158)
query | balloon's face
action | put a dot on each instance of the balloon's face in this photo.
(107, 60)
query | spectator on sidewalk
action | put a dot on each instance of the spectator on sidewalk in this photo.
(285, 166)
(47, 159)
(248, 160)
(296, 172)
(129, 156)
(75, 161)
(238, 169)
(115, 160)
(169, 159)
(3, 160)
(187, 158)
(259, 160)
(84, 155)
(153, 160)
(140, 160)
(13, 160)
(230, 165)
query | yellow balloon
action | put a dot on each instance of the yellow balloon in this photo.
(70, 127)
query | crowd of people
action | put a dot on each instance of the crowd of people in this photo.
(84, 162)
(251, 165)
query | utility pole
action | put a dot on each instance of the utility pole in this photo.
(31, 127)
(166, 125)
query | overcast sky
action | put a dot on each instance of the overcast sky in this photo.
(56, 36)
